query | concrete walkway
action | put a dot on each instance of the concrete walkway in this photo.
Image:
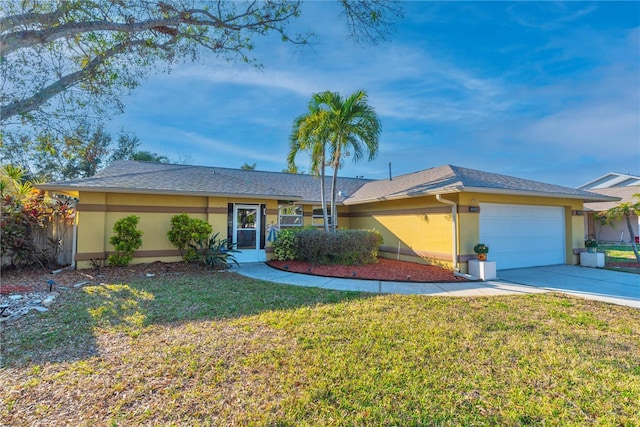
(603, 285)
(592, 283)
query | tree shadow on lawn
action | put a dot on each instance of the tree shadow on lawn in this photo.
(68, 332)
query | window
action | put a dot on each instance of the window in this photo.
(290, 216)
(317, 218)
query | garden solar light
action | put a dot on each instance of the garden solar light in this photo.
(51, 282)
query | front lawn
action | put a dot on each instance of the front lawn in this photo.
(620, 257)
(220, 349)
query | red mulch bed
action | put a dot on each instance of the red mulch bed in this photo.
(385, 269)
(631, 267)
(624, 264)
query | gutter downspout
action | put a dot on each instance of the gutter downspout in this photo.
(454, 230)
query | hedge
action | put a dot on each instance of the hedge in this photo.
(349, 247)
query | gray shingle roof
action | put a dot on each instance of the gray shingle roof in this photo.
(451, 179)
(142, 177)
(625, 194)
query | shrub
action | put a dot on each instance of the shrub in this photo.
(214, 252)
(285, 248)
(186, 231)
(313, 245)
(126, 240)
(350, 247)
(25, 210)
(357, 246)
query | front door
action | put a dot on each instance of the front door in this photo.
(246, 237)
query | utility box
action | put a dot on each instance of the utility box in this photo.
(483, 270)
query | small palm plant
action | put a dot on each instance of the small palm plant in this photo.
(216, 253)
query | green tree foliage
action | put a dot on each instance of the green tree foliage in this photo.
(307, 136)
(126, 147)
(186, 231)
(343, 126)
(626, 210)
(148, 156)
(24, 211)
(63, 60)
(53, 156)
(126, 240)
(247, 167)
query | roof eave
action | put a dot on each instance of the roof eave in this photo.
(77, 190)
(592, 197)
(402, 196)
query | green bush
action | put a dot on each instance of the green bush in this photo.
(126, 240)
(285, 248)
(186, 231)
(214, 252)
(350, 247)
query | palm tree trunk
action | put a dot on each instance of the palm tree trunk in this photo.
(334, 185)
(334, 217)
(633, 237)
(323, 198)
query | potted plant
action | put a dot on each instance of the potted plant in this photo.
(591, 245)
(482, 250)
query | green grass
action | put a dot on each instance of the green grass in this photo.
(622, 253)
(226, 350)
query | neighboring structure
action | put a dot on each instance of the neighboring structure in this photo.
(621, 186)
(438, 214)
(610, 180)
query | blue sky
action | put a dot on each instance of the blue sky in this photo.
(539, 90)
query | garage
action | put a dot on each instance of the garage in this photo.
(523, 235)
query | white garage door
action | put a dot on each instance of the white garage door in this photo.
(523, 235)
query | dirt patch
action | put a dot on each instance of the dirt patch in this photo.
(385, 269)
(36, 279)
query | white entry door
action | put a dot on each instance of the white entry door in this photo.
(246, 237)
(523, 235)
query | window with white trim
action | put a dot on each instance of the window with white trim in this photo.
(317, 218)
(290, 216)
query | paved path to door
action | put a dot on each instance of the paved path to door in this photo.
(604, 285)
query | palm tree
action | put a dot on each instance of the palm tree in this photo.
(624, 210)
(307, 135)
(345, 126)
(352, 128)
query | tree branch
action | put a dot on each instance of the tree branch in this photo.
(30, 19)
(15, 40)
(24, 39)
(46, 93)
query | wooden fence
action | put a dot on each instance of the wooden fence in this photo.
(56, 239)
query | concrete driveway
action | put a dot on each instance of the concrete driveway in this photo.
(602, 285)
(593, 283)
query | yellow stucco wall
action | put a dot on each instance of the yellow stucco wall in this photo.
(419, 228)
(429, 236)
(422, 226)
(98, 212)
